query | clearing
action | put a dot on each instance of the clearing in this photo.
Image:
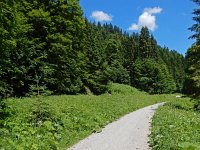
(59, 122)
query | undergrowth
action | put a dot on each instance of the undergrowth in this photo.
(176, 126)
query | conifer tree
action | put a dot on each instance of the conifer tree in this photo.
(192, 83)
(7, 44)
(14, 50)
(56, 34)
(65, 46)
(114, 56)
(144, 43)
(95, 63)
(153, 77)
(196, 27)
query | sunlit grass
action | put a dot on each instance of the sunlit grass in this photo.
(57, 122)
(176, 126)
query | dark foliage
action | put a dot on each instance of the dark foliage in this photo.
(192, 82)
(47, 47)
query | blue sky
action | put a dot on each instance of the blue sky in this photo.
(168, 20)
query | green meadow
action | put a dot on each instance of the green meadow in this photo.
(57, 122)
(176, 126)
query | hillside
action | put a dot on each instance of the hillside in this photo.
(48, 49)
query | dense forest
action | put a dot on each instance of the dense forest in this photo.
(48, 47)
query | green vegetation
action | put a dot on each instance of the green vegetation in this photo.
(192, 82)
(195, 27)
(56, 122)
(176, 126)
(122, 89)
(49, 48)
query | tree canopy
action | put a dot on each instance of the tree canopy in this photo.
(48, 47)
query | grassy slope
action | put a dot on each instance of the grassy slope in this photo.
(176, 126)
(57, 122)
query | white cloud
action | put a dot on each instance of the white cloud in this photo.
(134, 27)
(155, 10)
(147, 18)
(101, 16)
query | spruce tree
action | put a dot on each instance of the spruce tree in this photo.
(144, 43)
(192, 84)
(196, 27)
(14, 50)
(95, 77)
(7, 43)
(114, 56)
(65, 46)
(56, 35)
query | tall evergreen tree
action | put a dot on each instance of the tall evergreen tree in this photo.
(65, 46)
(95, 63)
(144, 43)
(192, 84)
(154, 48)
(114, 56)
(7, 44)
(56, 33)
(196, 27)
(40, 21)
(14, 50)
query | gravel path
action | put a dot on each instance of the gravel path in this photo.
(128, 133)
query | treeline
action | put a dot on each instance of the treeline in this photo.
(134, 59)
(47, 47)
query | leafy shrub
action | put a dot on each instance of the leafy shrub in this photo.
(41, 112)
(4, 111)
(197, 104)
(116, 88)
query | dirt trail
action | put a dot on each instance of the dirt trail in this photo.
(128, 133)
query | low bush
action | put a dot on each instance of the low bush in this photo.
(115, 88)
